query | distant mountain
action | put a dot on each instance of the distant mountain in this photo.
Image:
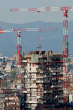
(51, 39)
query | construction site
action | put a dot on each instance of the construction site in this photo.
(41, 80)
(39, 77)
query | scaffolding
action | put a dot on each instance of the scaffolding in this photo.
(56, 69)
(37, 79)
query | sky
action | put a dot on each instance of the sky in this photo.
(21, 17)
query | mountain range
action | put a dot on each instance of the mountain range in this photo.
(50, 37)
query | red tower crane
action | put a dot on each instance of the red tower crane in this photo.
(19, 47)
(65, 21)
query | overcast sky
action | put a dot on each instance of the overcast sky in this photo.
(21, 17)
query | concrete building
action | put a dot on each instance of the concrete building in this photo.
(44, 78)
(55, 65)
(37, 79)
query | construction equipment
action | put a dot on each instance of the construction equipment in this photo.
(65, 21)
(19, 47)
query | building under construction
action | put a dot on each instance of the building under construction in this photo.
(44, 79)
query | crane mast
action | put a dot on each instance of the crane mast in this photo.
(19, 50)
(65, 34)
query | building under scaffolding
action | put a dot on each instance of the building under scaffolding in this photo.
(37, 79)
(55, 65)
(43, 78)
